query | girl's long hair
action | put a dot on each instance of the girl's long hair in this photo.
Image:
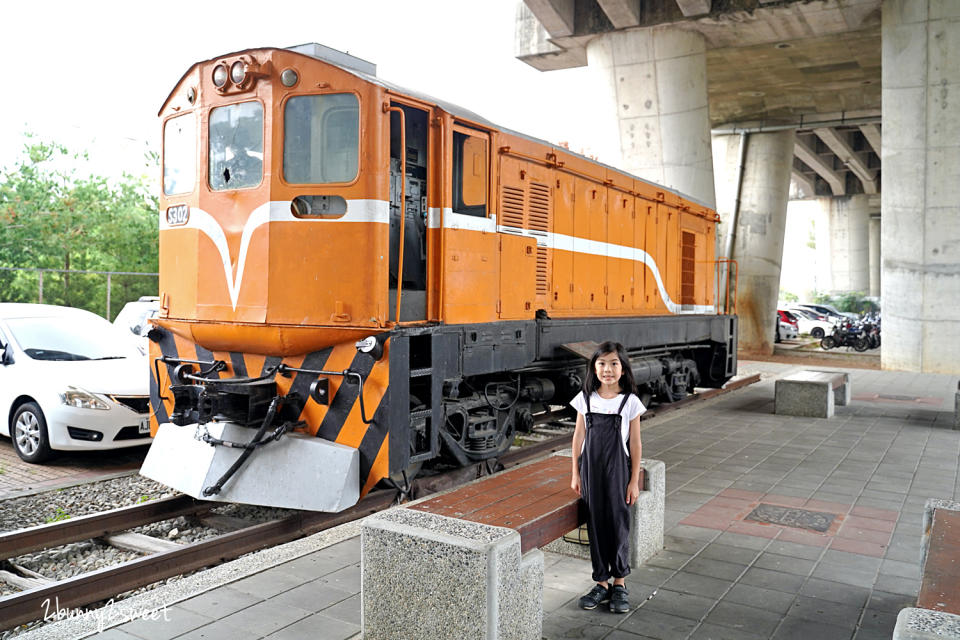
(591, 382)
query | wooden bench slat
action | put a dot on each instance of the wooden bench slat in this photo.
(940, 586)
(535, 500)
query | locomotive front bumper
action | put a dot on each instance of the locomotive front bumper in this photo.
(297, 471)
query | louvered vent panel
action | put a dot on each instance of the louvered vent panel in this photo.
(539, 207)
(539, 221)
(688, 263)
(511, 207)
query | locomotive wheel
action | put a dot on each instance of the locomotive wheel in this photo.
(861, 344)
(828, 342)
(816, 332)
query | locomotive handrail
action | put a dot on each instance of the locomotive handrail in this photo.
(346, 373)
(723, 266)
(403, 210)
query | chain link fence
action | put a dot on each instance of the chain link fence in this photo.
(102, 292)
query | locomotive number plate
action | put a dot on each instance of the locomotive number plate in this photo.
(178, 215)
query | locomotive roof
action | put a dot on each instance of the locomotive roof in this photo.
(354, 66)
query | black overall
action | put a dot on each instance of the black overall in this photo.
(604, 475)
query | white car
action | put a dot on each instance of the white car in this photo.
(69, 380)
(809, 322)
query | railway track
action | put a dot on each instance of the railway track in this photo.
(166, 559)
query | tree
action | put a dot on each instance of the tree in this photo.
(53, 218)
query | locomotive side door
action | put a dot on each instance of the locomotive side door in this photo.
(409, 136)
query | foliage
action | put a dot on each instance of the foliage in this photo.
(854, 302)
(54, 218)
(787, 296)
(58, 515)
(819, 297)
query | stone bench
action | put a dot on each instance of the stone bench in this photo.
(937, 614)
(811, 394)
(467, 564)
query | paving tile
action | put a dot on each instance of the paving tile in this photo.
(835, 592)
(114, 634)
(311, 596)
(744, 618)
(219, 631)
(810, 538)
(693, 533)
(765, 578)
(715, 568)
(316, 626)
(820, 610)
(348, 610)
(669, 559)
(900, 568)
(740, 540)
(654, 624)
(683, 545)
(762, 598)
(346, 579)
(896, 584)
(851, 560)
(267, 584)
(881, 621)
(794, 628)
(708, 631)
(266, 617)
(222, 600)
(728, 553)
(890, 602)
(620, 634)
(793, 549)
(554, 599)
(650, 575)
(861, 547)
(684, 605)
(697, 584)
(174, 622)
(776, 562)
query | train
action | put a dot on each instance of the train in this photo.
(357, 280)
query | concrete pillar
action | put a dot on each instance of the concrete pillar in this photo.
(655, 80)
(874, 256)
(762, 218)
(849, 243)
(920, 235)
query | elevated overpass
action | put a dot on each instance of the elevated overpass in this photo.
(745, 103)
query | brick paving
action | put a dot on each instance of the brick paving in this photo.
(872, 467)
(68, 468)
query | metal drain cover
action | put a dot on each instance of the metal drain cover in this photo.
(792, 517)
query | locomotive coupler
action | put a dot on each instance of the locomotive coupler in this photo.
(248, 448)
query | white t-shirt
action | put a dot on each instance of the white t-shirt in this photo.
(631, 410)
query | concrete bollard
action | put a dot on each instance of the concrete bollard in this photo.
(925, 624)
(429, 576)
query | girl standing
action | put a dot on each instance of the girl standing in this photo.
(606, 468)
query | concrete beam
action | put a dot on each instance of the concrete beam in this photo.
(556, 16)
(872, 133)
(804, 182)
(809, 156)
(692, 8)
(842, 149)
(622, 13)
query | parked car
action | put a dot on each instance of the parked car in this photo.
(786, 327)
(829, 310)
(811, 323)
(69, 380)
(134, 317)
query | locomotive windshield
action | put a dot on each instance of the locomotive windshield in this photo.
(321, 138)
(236, 146)
(179, 154)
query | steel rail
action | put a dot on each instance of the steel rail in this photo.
(54, 534)
(105, 583)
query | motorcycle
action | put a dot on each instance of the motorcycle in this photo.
(845, 334)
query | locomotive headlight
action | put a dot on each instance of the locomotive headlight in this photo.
(238, 71)
(74, 397)
(289, 77)
(220, 75)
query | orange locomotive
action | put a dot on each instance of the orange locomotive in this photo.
(356, 279)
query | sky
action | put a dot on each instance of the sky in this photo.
(93, 75)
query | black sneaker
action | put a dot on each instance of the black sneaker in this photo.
(598, 594)
(618, 599)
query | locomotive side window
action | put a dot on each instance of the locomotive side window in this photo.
(236, 146)
(469, 174)
(321, 138)
(180, 154)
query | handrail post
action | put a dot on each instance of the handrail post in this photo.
(403, 199)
